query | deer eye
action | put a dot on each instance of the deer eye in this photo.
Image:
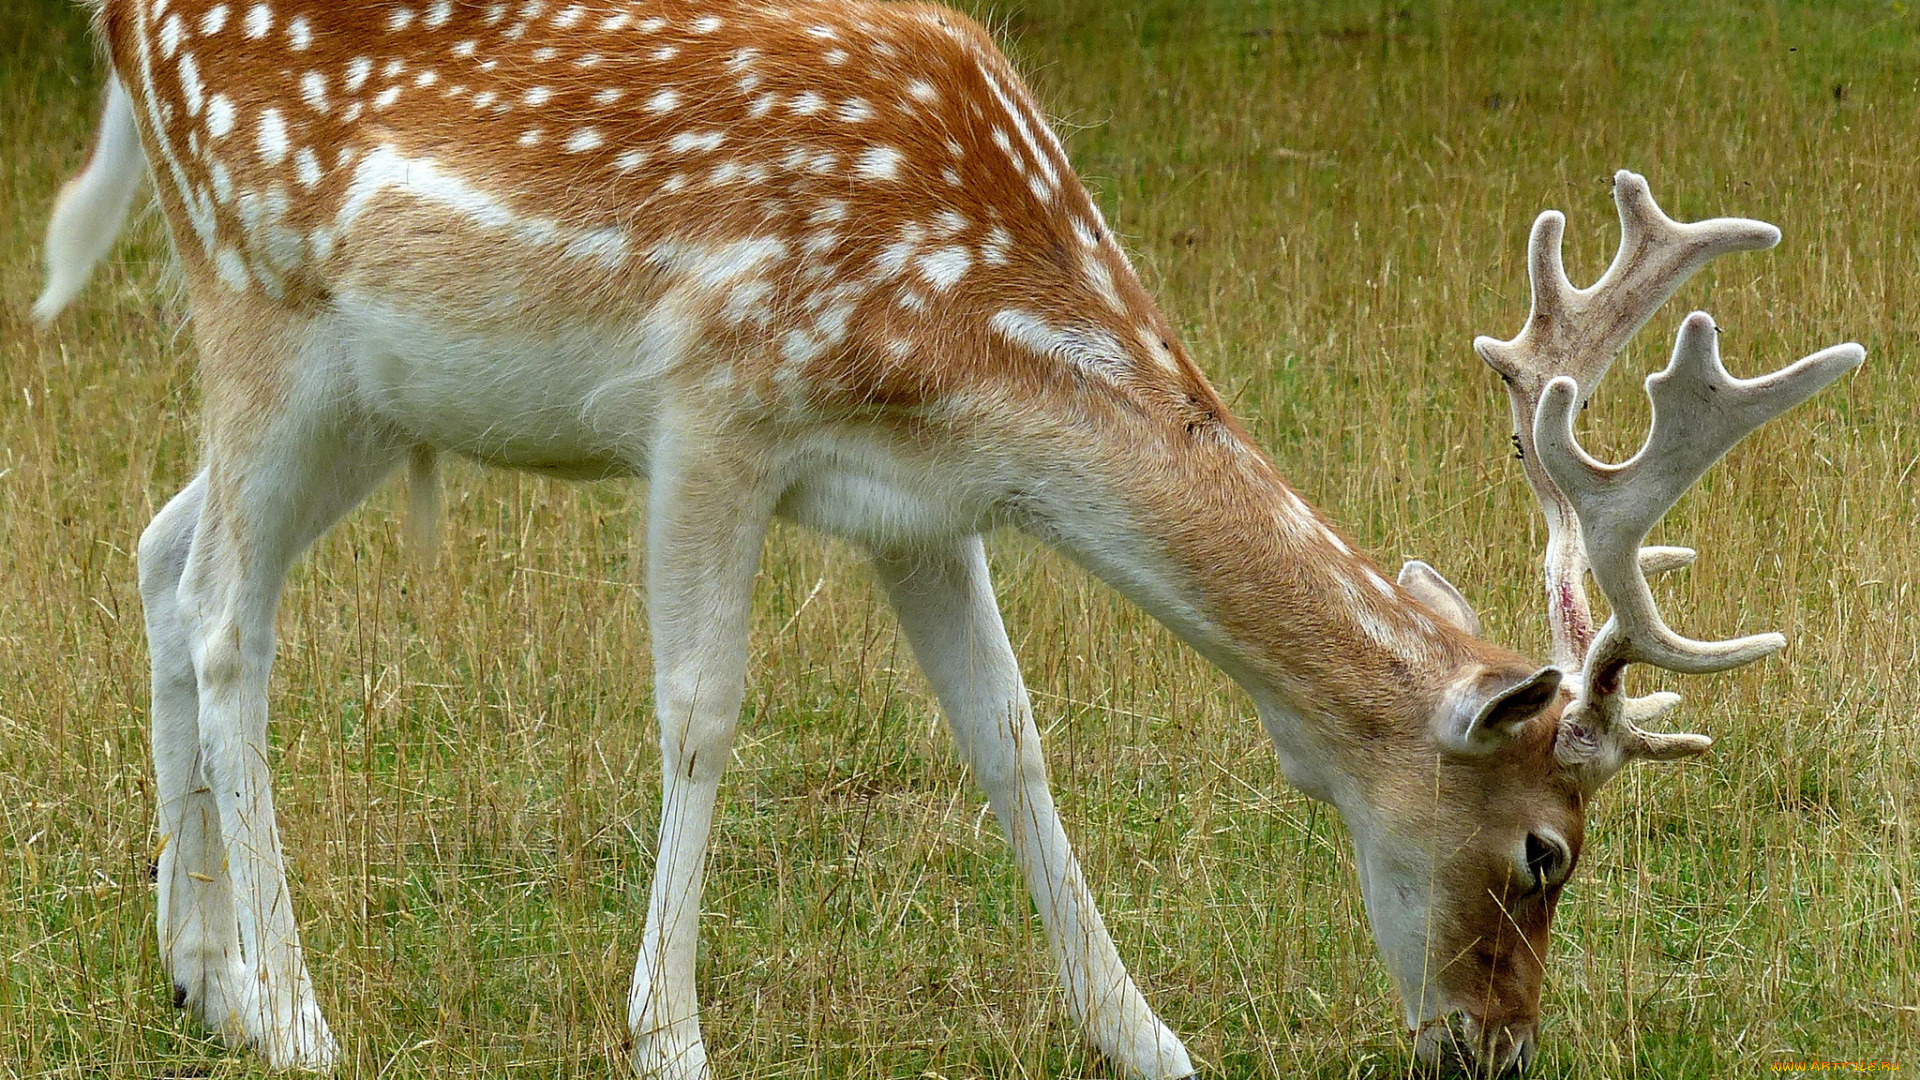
(1548, 859)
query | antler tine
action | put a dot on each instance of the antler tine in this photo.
(1575, 333)
(1699, 413)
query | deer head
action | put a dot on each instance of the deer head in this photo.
(1487, 832)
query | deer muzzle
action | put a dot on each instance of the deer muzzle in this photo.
(1462, 1045)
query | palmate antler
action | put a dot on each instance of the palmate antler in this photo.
(1598, 516)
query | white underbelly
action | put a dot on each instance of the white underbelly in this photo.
(586, 403)
(572, 401)
(862, 486)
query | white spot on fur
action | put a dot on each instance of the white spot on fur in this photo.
(1093, 350)
(614, 22)
(232, 269)
(385, 98)
(855, 111)
(1024, 329)
(663, 102)
(608, 96)
(426, 78)
(437, 14)
(537, 96)
(879, 163)
(1102, 281)
(1041, 158)
(313, 91)
(569, 16)
(399, 19)
(893, 259)
(944, 267)
(220, 116)
(357, 71)
(666, 52)
(306, 167)
(630, 160)
(299, 33)
(272, 139)
(921, 90)
(999, 242)
(707, 25)
(531, 137)
(584, 140)
(807, 104)
(190, 85)
(214, 20)
(259, 21)
(688, 142)
(466, 48)
(746, 303)
(171, 33)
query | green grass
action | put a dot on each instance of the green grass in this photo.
(1331, 200)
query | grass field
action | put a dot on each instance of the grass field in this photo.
(1330, 199)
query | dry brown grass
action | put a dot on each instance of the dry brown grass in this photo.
(1332, 199)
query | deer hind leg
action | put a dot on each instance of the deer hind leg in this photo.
(199, 934)
(708, 508)
(945, 602)
(279, 472)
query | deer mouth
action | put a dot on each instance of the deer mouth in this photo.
(1460, 1045)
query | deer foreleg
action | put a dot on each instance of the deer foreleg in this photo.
(709, 504)
(946, 606)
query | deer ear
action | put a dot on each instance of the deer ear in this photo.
(1428, 587)
(1480, 718)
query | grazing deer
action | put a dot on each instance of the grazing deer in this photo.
(825, 260)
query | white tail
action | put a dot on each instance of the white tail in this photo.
(828, 262)
(92, 206)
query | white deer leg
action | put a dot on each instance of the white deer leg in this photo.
(707, 516)
(199, 937)
(945, 602)
(265, 500)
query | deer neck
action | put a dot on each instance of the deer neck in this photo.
(1197, 527)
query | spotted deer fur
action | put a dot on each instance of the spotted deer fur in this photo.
(823, 260)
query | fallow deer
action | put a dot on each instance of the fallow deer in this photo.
(826, 260)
